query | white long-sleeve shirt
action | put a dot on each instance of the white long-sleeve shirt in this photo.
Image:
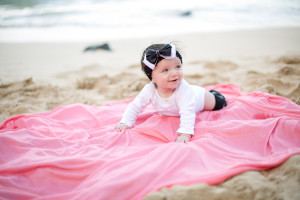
(185, 102)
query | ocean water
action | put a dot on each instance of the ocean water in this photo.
(91, 20)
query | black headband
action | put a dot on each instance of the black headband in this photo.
(151, 56)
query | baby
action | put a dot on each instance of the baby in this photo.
(169, 93)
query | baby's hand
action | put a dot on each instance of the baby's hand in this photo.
(183, 138)
(122, 127)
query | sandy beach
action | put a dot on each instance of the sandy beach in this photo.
(37, 77)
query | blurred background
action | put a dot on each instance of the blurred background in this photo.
(90, 20)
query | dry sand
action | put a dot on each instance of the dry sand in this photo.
(41, 77)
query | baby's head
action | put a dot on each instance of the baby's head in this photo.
(153, 54)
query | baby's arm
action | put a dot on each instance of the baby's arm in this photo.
(135, 108)
(186, 103)
(129, 116)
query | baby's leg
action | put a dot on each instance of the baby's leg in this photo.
(214, 100)
(209, 101)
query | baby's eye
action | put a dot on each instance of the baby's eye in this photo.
(165, 70)
(178, 67)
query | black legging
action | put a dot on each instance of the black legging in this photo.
(220, 100)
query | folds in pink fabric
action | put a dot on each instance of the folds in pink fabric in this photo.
(73, 152)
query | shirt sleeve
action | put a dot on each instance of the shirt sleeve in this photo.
(137, 105)
(186, 103)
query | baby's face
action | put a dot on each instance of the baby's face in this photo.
(168, 74)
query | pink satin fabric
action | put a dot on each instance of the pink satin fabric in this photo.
(73, 152)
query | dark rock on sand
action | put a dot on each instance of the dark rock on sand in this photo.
(104, 46)
(186, 13)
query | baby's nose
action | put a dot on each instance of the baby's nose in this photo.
(174, 72)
